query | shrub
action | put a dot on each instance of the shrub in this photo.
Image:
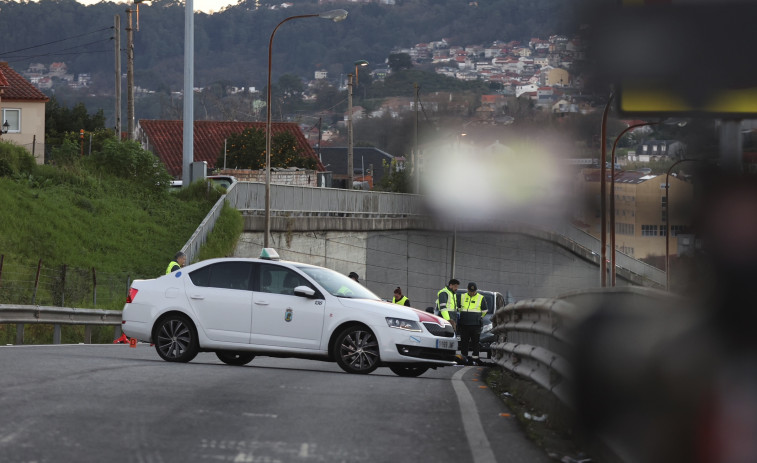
(15, 160)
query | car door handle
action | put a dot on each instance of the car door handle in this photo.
(197, 296)
(261, 302)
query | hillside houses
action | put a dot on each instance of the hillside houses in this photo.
(535, 69)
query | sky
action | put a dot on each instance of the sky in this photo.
(206, 6)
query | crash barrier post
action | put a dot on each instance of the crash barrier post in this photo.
(21, 315)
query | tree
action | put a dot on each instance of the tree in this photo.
(246, 150)
(395, 179)
(400, 61)
(60, 120)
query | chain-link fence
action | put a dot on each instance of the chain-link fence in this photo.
(61, 286)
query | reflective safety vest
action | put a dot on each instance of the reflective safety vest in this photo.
(471, 304)
(401, 301)
(451, 303)
(171, 266)
(470, 308)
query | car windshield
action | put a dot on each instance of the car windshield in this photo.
(337, 284)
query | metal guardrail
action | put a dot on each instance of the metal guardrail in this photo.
(532, 343)
(33, 314)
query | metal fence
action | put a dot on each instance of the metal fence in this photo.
(621, 260)
(248, 196)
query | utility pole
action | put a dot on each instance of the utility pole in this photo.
(350, 170)
(416, 156)
(130, 75)
(117, 37)
(187, 151)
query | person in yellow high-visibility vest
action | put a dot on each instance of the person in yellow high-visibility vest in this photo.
(472, 310)
(178, 262)
(399, 298)
(446, 302)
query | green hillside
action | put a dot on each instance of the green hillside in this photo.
(111, 212)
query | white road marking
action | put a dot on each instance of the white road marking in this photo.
(474, 430)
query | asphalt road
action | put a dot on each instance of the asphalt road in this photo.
(114, 403)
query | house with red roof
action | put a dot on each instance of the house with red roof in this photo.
(165, 140)
(23, 112)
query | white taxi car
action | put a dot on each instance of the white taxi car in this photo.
(240, 308)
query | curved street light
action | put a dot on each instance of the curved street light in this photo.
(333, 15)
(360, 62)
(612, 195)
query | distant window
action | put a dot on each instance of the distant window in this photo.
(649, 230)
(13, 118)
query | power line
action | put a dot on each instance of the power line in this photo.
(57, 41)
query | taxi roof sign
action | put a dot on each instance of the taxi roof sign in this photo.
(269, 254)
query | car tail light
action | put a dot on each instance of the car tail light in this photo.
(132, 294)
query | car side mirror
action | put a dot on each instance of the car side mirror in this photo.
(304, 291)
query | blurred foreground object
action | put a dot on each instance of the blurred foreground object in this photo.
(675, 380)
(680, 57)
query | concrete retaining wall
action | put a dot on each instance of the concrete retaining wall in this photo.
(419, 261)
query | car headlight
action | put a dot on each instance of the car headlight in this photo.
(487, 327)
(402, 324)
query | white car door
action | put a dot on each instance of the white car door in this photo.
(279, 318)
(221, 298)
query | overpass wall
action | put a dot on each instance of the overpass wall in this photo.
(419, 261)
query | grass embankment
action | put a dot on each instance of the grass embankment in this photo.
(85, 217)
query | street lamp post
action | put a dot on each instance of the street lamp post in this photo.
(334, 15)
(350, 152)
(612, 195)
(603, 196)
(360, 62)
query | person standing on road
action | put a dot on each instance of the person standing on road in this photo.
(446, 302)
(178, 262)
(472, 310)
(354, 276)
(399, 298)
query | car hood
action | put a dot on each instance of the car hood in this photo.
(392, 310)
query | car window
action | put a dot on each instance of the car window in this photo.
(227, 275)
(500, 301)
(279, 280)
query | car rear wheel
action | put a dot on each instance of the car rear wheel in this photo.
(408, 372)
(235, 358)
(175, 339)
(357, 350)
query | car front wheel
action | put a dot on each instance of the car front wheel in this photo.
(408, 372)
(235, 358)
(357, 350)
(175, 339)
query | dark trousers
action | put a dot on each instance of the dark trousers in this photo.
(469, 337)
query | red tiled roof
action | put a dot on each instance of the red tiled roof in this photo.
(3, 80)
(166, 139)
(17, 88)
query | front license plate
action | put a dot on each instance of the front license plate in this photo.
(445, 344)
